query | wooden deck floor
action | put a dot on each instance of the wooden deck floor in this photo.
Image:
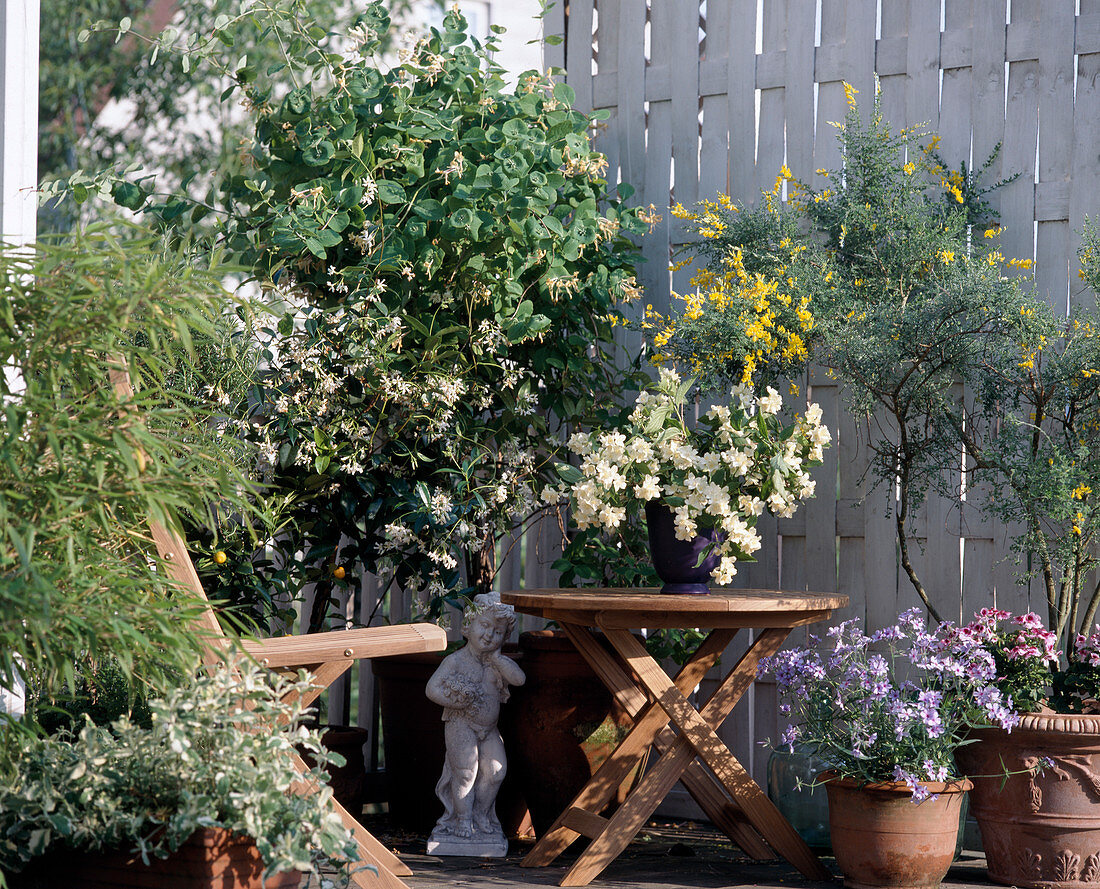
(683, 855)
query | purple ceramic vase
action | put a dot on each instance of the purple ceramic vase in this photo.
(677, 561)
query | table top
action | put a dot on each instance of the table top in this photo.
(622, 607)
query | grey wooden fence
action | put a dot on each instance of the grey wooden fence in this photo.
(705, 96)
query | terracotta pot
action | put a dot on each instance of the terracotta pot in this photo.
(561, 726)
(1038, 830)
(677, 561)
(881, 838)
(211, 858)
(414, 748)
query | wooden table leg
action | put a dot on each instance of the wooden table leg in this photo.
(723, 811)
(649, 719)
(698, 738)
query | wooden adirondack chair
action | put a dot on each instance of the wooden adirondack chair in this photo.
(325, 655)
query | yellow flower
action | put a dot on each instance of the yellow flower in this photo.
(948, 255)
(850, 93)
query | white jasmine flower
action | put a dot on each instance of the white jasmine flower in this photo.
(649, 489)
(770, 403)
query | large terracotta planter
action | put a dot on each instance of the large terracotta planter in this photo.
(882, 839)
(1038, 830)
(211, 858)
(561, 726)
(414, 748)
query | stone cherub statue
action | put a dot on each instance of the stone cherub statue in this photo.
(470, 685)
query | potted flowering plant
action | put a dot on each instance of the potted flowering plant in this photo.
(1034, 794)
(889, 710)
(701, 486)
(200, 796)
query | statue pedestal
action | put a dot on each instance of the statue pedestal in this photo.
(474, 847)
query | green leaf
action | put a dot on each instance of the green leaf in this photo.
(564, 93)
(391, 192)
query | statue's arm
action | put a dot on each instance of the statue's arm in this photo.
(438, 689)
(509, 670)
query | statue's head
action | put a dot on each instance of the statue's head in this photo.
(488, 605)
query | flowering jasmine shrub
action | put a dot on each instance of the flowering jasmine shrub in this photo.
(737, 461)
(849, 703)
(449, 265)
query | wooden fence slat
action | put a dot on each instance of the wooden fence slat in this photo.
(714, 144)
(1086, 136)
(741, 92)
(578, 45)
(831, 104)
(988, 86)
(798, 94)
(891, 54)
(770, 141)
(955, 91)
(1056, 25)
(1017, 198)
(922, 98)
(631, 69)
(607, 63)
(684, 70)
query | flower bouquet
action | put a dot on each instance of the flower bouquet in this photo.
(737, 461)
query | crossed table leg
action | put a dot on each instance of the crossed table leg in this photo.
(746, 814)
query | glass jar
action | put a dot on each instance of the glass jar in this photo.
(790, 780)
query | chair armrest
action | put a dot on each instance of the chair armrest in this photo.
(337, 645)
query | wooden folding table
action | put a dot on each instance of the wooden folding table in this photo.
(691, 752)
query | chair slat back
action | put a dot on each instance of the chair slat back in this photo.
(173, 553)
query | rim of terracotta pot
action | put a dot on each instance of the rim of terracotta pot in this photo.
(1068, 723)
(958, 785)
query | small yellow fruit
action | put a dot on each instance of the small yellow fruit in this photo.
(338, 572)
(220, 557)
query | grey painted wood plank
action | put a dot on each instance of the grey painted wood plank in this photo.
(859, 51)
(1085, 169)
(988, 86)
(714, 148)
(607, 62)
(799, 86)
(892, 59)
(1017, 199)
(1056, 25)
(658, 169)
(631, 65)
(820, 511)
(955, 92)
(741, 70)
(831, 104)
(554, 24)
(770, 147)
(684, 34)
(578, 47)
(922, 96)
